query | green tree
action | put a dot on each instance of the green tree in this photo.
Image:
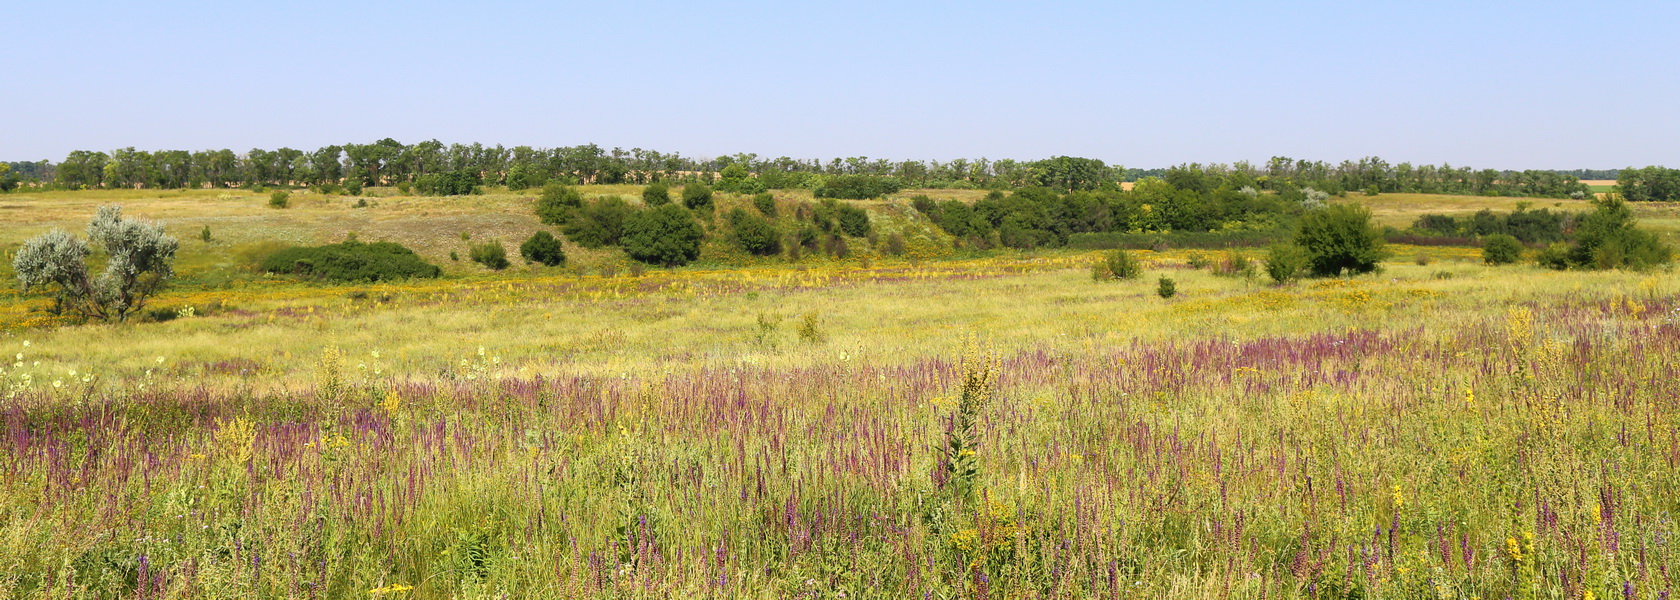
(1608, 238)
(697, 196)
(556, 202)
(735, 179)
(1285, 262)
(854, 221)
(1340, 238)
(657, 193)
(139, 259)
(543, 247)
(766, 204)
(1501, 249)
(1650, 184)
(600, 223)
(667, 235)
(754, 234)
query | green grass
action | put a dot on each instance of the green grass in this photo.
(996, 426)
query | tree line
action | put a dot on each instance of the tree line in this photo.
(389, 162)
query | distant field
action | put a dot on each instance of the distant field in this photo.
(1600, 186)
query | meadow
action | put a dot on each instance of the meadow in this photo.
(939, 425)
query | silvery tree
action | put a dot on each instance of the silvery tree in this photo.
(139, 258)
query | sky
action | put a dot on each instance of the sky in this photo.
(1490, 84)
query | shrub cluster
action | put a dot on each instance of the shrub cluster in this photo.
(449, 183)
(857, 187)
(351, 261)
(754, 234)
(1527, 226)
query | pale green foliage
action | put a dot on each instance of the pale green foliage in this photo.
(139, 258)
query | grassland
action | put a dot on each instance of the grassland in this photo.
(944, 426)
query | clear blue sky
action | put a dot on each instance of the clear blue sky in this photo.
(1501, 84)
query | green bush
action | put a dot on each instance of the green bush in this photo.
(279, 199)
(204, 234)
(754, 234)
(1608, 238)
(857, 187)
(766, 204)
(1555, 256)
(1120, 264)
(1285, 262)
(351, 261)
(490, 254)
(543, 247)
(735, 179)
(1340, 238)
(556, 203)
(854, 221)
(1166, 288)
(895, 244)
(353, 186)
(601, 223)
(697, 196)
(459, 182)
(1501, 249)
(667, 235)
(524, 177)
(657, 193)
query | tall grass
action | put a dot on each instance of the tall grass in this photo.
(1527, 454)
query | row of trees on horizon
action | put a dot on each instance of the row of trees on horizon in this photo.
(389, 162)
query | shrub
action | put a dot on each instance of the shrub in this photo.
(490, 254)
(351, 261)
(353, 186)
(735, 179)
(279, 199)
(697, 196)
(1166, 288)
(1235, 264)
(809, 331)
(404, 187)
(601, 223)
(1285, 262)
(556, 203)
(1555, 256)
(1122, 265)
(1198, 260)
(657, 193)
(524, 177)
(854, 221)
(766, 204)
(895, 244)
(857, 187)
(1340, 238)
(543, 247)
(459, 182)
(926, 206)
(837, 247)
(1608, 238)
(667, 235)
(204, 234)
(754, 234)
(1501, 249)
(139, 259)
(1436, 224)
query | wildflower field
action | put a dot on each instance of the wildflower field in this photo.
(940, 426)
